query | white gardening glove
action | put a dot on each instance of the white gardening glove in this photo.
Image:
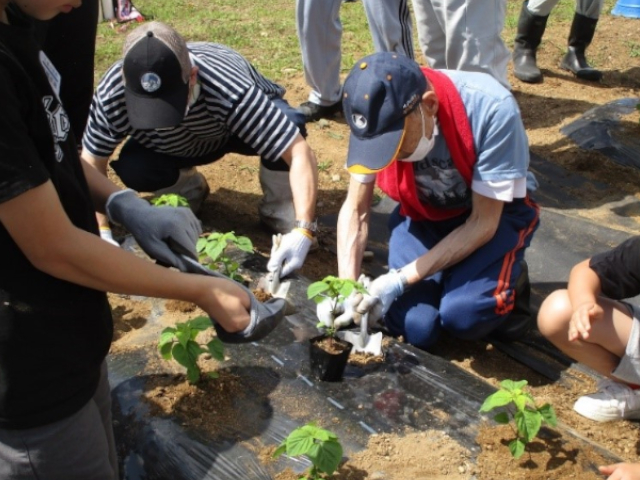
(342, 315)
(162, 232)
(383, 291)
(289, 252)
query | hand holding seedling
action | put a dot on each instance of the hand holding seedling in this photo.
(522, 409)
(335, 299)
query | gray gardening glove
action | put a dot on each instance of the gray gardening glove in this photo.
(161, 232)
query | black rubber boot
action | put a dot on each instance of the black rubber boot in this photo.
(582, 31)
(520, 320)
(530, 30)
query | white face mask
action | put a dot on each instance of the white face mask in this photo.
(425, 145)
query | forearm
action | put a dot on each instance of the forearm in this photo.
(584, 285)
(353, 229)
(452, 249)
(303, 177)
(100, 187)
(479, 229)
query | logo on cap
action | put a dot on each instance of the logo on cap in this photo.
(359, 121)
(150, 82)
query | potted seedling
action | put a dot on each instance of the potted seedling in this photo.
(320, 446)
(216, 246)
(328, 354)
(179, 343)
(521, 413)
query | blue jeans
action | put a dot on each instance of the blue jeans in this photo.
(469, 299)
(145, 170)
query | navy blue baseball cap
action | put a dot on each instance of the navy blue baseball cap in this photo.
(156, 70)
(380, 91)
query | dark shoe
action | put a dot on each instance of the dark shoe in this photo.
(528, 37)
(582, 31)
(313, 112)
(520, 320)
(265, 317)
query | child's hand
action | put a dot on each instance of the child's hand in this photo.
(580, 323)
(622, 471)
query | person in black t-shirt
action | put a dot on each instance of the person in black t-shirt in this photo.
(55, 321)
(589, 322)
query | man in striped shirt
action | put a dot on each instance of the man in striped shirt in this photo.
(179, 105)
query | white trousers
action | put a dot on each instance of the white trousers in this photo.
(320, 36)
(463, 35)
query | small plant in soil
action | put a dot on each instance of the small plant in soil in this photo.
(170, 200)
(179, 343)
(521, 408)
(337, 290)
(216, 246)
(320, 446)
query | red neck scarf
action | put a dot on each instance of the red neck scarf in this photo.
(398, 180)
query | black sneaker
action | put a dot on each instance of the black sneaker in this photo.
(313, 112)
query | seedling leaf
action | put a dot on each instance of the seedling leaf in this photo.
(180, 355)
(165, 350)
(548, 414)
(299, 442)
(200, 323)
(327, 456)
(316, 289)
(497, 399)
(516, 447)
(502, 417)
(280, 450)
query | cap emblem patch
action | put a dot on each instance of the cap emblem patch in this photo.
(150, 82)
(359, 121)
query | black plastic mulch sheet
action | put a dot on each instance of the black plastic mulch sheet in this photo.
(600, 129)
(411, 388)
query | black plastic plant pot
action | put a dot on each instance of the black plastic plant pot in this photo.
(327, 366)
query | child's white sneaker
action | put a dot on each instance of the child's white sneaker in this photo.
(612, 401)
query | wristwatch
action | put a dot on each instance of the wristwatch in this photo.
(311, 226)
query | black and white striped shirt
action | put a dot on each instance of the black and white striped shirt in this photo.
(234, 100)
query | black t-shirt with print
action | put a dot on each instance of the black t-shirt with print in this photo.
(619, 269)
(54, 334)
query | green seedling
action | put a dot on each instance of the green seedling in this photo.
(324, 166)
(320, 446)
(522, 409)
(179, 343)
(170, 200)
(216, 246)
(336, 289)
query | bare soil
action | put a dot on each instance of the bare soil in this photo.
(545, 108)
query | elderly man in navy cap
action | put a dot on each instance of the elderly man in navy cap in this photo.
(451, 149)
